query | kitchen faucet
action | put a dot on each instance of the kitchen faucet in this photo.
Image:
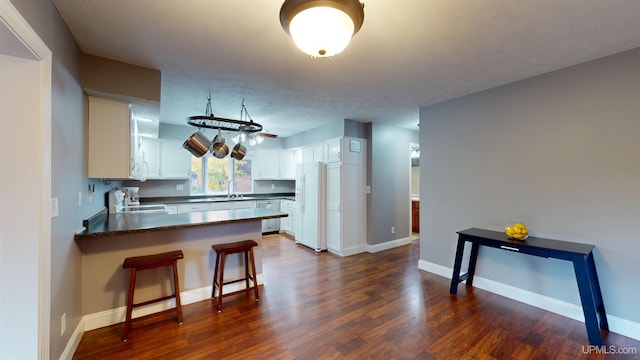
(229, 183)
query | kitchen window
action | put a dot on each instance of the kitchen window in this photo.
(213, 176)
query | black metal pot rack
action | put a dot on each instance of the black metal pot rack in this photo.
(210, 121)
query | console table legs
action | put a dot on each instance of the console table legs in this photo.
(455, 278)
(591, 298)
(595, 317)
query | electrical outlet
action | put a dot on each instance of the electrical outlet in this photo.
(63, 324)
(273, 186)
(55, 211)
(179, 187)
(79, 198)
(393, 229)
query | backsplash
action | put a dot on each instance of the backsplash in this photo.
(279, 186)
(168, 188)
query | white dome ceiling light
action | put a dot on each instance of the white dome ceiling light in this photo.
(322, 28)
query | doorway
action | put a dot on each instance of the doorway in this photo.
(414, 150)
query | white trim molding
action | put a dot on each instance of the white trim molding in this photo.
(22, 31)
(617, 325)
(388, 245)
(117, 315)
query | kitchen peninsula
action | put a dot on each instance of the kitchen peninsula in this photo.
(109, 239)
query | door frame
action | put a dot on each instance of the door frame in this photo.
(34, 50)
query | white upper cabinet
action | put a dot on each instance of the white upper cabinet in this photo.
(315, 153)
(320, 153)
(151, 157)
(266, 165)
(334, 150)
(165, 159)
(346, 150)
(273, 164)
(114, 144)
(175, 162)
(288, 164)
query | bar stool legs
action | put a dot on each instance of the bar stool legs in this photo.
(222, 250)
(149, 262)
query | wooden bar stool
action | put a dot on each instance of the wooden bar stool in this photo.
(222, 250)
(149, 262)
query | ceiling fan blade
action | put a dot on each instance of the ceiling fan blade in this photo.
(265, 134)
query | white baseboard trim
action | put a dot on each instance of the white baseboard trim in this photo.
(73, 342)
(617, 325)
(117, 315)
(388, 245)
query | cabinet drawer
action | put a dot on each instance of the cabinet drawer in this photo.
(525, 250)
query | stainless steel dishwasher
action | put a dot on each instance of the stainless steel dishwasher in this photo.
(270, 225)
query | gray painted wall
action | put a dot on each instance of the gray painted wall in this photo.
(68, 167)
(558, 152)
(389, 176)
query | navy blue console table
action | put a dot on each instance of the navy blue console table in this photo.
(581, 255)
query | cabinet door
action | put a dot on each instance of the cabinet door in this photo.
(286, 223)
(266, 165)
(287, 165)
(334, 150)
(307, 155)
(110, 140)
(151, 157)
(138, 171)
(175, 162)
(320, 153)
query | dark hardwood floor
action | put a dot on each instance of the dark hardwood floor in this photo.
(367, 306)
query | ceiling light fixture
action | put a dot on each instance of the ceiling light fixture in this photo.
(322, 28)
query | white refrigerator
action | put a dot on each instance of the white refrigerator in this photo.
(310, 217)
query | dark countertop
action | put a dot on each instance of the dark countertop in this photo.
(120, 224)
(206, 198)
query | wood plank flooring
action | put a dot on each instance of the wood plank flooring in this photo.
(367, 306)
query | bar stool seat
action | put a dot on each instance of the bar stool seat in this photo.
(149, 262)
(222, 250)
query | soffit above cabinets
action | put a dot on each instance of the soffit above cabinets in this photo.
(139, 86)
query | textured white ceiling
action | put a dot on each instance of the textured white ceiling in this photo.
(408, 54)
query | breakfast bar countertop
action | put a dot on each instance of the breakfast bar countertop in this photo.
(128, 223)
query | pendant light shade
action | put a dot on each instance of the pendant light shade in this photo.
(322, 28)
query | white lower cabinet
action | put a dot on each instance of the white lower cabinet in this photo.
(216, 205)
(286, 223)
(232, 205)
(186, 208)
(172, 209)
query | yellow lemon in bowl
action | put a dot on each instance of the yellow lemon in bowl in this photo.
(516, 231)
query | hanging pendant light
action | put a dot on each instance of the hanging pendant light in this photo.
(322, 28)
